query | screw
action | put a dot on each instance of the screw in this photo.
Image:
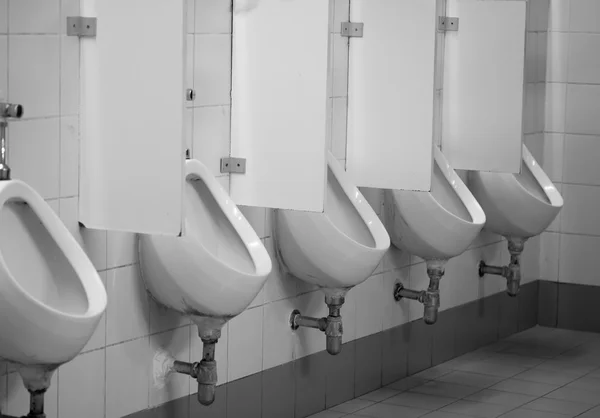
(190, 95)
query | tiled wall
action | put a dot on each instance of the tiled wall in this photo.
(571, 246)
(114, 376)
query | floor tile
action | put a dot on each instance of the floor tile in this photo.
(383, 410)
(592, 413)
(514, 360)
(501, 398)
(570, 409)
(528, 413)
(546, 376)
(379, 394)
(477, 409)
(470, 379)
(352, 406)
(525, 387)
(440, 414)
(420, 400)
(450, 390)
(368, 364)
(575, 395)
(327, 414)
(491, 368)
(590, 384)
(434, 372)
(407, 383)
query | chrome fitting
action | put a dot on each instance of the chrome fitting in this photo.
(11, 110)
(331, 325)
(430, 298)
(7, 110)
(512, 272)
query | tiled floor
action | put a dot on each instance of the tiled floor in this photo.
(539, 373)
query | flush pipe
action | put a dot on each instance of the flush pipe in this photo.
(36, 405)
(430, 298)
(7, 110)
(330, 325)
(204, 371)
(512, 272)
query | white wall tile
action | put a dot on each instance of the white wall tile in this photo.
(530, 57)
(584, 16)
(338, 127)
(279, 284)
(582, 104)
(213, 16)
(127, 314)
(538, 15)
(554, 119)
(69, 156)
(163, 318)
(578, 259)
(584, 58)
(558, 57)
(122, 249)
(348, 313)
(34, 16)
(341, 14)
(94, 244)
(3, 67)
(278, 337)
(68, 8)
(541, 56)
(212, 70)
(395, 313)
(98, 338)
(580, 213)
(127, 377)
(191, 15)
(17, 401)
(82, 385)
(559, 15)
(34, 154)
(189, 68)
(581, 159)
(69, 75)
(555, 225)
(530, 260)
(245, 344)
(339, 56)
(176, 344)
(369, 309)
(549, 256)
(211, 136)
(33, 71)
(3, 16)
(552, 161)
(256, 217)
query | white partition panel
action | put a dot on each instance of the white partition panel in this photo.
(390, 94)
(132, 103)
(279, 95)
(483, 85)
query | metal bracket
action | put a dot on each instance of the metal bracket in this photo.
(81, 26)
(446, 23)
(352, 29)
(233, 165)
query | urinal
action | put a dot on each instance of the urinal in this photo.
(335, 250)
(435, 225)
(51, 297)
(211, 273)
(518, 207)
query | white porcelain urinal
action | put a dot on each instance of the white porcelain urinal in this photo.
(517, 205)
(336, 249)
(216, 269)
(51, 297)
(435, 225)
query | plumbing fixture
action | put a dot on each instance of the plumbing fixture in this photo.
(430, 298)
(190, 95)
(204, 371)
(512, 272)
(7, 110)
(330, 325)
(36, 405)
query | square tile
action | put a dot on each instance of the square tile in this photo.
(443, 337)
(577, 307)
(34, 73)
(212, 76)
(525, 387)
(420, 341)
(69, 156)
(278, 392)
(470, 379)
(528, 413)
(582, 99)
(341, 375)
(175, 408)
(394, 354)
(556, 95)
(3, 65)
(382, 410)
(3, 16)
(217, 410)
(558, 57)
(578, 165)
(69, 75)
(528, 305)
(449, 390)
(584, 50)
(557, 406)
(420, 400)
(583, 16)
(577, 216)
(122, 249)
(408, 383)
(352, 406)
(546, 376)
(559, 15)
(340, 66)
(368, 364)
(244, 397)
(82, 394)
(34, 16)
(369, 310)
(211, 136)
(500, 397)
(310, 384)
(508, 317)
(575, 395)
(278, 337)
(213, 16)
(477, 409)
(245, 344)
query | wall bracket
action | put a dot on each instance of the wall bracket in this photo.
(81, 26)
(233, 165)
(352, 29)
(447, 24)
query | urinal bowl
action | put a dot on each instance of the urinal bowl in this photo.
(51, 297)
(435, 225)
(517, 205)
(216, 268)
(337, 249)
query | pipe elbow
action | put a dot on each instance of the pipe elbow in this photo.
(207, 381)
(333, 333)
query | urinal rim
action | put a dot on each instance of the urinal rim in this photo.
(254, 246)
(360, 204)
(96, 297)
(555, 198)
